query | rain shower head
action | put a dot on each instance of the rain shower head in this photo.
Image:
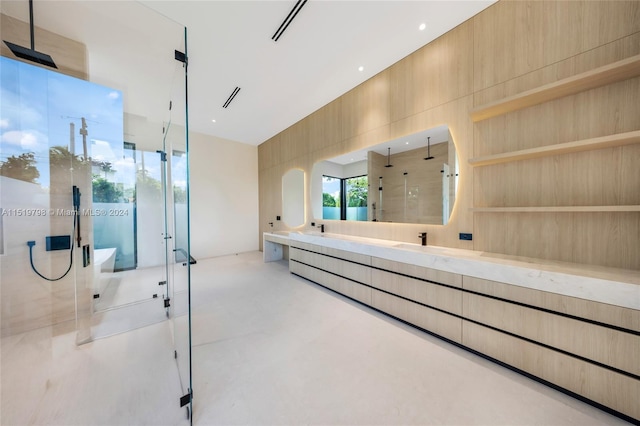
(31, 54)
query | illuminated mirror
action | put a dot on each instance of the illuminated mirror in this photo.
(412, 179)
(293, 198)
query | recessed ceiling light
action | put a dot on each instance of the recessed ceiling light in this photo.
(360, 68)
(213, 121)
(406, 143)
(422, 26)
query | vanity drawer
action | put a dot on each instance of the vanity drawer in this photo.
(347, 255)
(439, 323)
(596, 383)
(343, 268)
(349, 288)
(612, 347)
(438, 296)
(582, 308)
(454, 280)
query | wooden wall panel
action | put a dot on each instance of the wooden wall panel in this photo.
(367, 107)
(513, 38)
(325, 126)
(604, 177)
(599, 112)
(418, 79)
(510, 47)
(609, 239)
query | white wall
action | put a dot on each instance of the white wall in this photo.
(224, 196)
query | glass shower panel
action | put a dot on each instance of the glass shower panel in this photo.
(84, 225)
(180, 260)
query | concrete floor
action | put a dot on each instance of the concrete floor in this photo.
(271, 348)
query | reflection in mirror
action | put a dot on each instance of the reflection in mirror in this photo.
(412, 179)
(293, 198)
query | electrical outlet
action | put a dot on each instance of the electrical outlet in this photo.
(466, 237)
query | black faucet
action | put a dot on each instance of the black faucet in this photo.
(423, 236)
(321, 226)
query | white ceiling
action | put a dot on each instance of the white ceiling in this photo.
(229, 44)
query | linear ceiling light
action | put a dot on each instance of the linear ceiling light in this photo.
(31, 54)
(285, 24)
(231, 97)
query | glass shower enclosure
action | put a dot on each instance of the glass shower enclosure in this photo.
(94, 200)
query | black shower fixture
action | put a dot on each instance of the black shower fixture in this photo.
(31, 54)
(428, 157)
(389, 158)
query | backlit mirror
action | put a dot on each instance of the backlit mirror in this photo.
(412, 179)
(293, 198)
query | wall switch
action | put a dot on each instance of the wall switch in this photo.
(277, 217)
(466, 237)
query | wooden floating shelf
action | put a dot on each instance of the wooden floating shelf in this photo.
(611, 73)
(610, 141)
(558, 209)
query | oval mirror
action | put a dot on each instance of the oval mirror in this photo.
(412, 179)
(293, 198)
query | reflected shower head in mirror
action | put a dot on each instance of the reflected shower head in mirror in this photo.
(389, 159)
(429, 156)
(430, 195)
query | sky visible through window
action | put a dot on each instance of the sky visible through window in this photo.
(37, 107)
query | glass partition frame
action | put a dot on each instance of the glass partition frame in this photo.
(44, 321)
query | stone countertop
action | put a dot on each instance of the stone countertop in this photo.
(606, 285)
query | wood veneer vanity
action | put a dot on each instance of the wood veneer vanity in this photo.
(573, 328)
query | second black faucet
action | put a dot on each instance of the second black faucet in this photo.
(423, 237)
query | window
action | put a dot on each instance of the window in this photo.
(345, 198)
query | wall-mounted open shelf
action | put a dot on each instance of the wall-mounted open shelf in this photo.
(611, 73)
(609, 141)
(556, 209)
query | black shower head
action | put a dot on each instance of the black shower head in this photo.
(31, 54)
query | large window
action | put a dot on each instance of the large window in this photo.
(345, 198)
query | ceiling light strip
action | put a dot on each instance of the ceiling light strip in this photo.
(285, 24)
(231, 97)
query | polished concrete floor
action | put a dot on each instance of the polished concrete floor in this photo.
(270, 348)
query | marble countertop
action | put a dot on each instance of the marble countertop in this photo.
(605, 285)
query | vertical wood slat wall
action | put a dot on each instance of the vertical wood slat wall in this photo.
(508, 48)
